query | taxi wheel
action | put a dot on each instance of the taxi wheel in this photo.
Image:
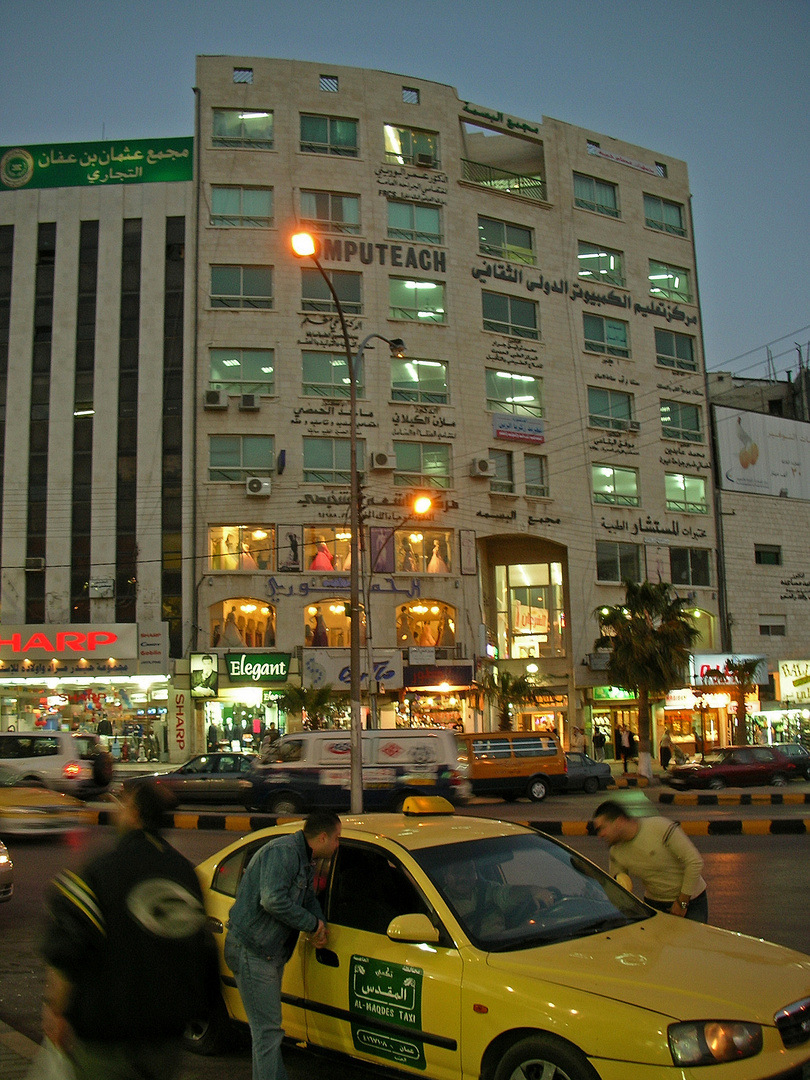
(538, 788)
(542, 1057)
(212, 1035)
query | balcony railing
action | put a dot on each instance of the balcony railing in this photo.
(529, 187)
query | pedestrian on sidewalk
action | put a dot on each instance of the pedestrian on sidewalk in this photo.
(129, 959)
(659, 852)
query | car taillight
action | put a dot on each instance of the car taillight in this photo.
(455, 778)
(71, 770)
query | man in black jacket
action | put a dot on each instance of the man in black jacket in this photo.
(129, 962)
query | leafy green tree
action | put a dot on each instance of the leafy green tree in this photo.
(741, 676)
(650, 637)
(318, 704)
(503, 689)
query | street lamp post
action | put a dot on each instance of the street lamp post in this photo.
(304, 245)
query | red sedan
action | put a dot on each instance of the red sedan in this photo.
(734, 766)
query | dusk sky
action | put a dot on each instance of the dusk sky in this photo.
(722, 84)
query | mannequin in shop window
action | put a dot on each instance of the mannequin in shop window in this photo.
(446, 634)
(270, 628)
(426, 635)
(322, 560)
(231, 635)
(407, 559)
(438, 564)
(320, 635)
(248, 562)
(405, 630)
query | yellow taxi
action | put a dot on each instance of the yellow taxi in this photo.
(473, 949)
(27, 810)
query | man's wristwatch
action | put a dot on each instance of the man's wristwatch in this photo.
(684, 904)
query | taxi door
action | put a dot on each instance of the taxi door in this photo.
(392, 1003)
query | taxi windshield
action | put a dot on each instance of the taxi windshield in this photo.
(521, 891)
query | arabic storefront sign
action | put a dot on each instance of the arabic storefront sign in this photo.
(258, 668)
(707, 668)
(518, 428)
(596, 151)
(138, 161)
(459, 675)
(405, 256)
(330, 667)
(391, 996)
(794, 681)
(96, 643)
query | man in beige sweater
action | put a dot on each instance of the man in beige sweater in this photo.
(658, 852)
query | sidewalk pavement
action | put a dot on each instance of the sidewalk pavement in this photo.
(16, 1053)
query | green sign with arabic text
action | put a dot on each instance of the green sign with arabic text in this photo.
(138, 161)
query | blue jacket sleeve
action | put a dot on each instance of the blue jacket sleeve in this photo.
(285, 889)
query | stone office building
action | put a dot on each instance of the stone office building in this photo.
(551, 397)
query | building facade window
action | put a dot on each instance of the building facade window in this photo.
(689, 566)
(329, 84)
(252, 128)
(597, 195)
(243, 371)
(329, 135)
(772, 626)
(423, 381)
(535, 468)
(529, 610)
(327, 375)
(315, 294)
(242, 207)
(505, 240)
(767, 555)
(600, 264)
(669, 282)
(675, 350)
(503, 483)
(681, 421)
(242, 287)
(685, 494)
(663, 215)
(414, 222)
(614, 486)
(510, 315)
(510, 392)
(330, 211)
(236, 457)
(328, 461)
(410, 146)
(241, 547)
(419, 300)
(609, 408)
(422, 465)
(602, 335)
(617, 562)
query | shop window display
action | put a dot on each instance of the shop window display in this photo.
(418, 551)
(327, 549)
(426, 622)
(241, 547)
(328, 626)
(243, 623)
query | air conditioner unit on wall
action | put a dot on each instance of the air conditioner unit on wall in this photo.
(249, 402)
(383, 461)
(258, 485)
(425, 161)
(215, 399)
(34, 564)
(634, 425)
(482, 467)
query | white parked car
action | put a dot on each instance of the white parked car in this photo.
(74, 763)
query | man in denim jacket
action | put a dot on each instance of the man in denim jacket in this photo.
(274, 903)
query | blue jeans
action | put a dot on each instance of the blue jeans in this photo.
(259, 983)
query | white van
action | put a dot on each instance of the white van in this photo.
(312, 769)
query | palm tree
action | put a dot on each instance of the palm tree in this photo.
(318, 704)
(650, 637)
(741, 676)
(503, 689)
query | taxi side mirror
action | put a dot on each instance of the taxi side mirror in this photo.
(413, 928)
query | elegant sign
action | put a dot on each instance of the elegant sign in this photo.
(138, 161)
(257, 667)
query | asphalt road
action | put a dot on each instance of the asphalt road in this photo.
(757, 885)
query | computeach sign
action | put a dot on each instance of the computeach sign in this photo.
(97, 164)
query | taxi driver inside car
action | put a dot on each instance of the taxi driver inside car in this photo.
(575, 975)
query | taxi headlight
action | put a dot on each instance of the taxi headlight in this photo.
(708, 1042)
